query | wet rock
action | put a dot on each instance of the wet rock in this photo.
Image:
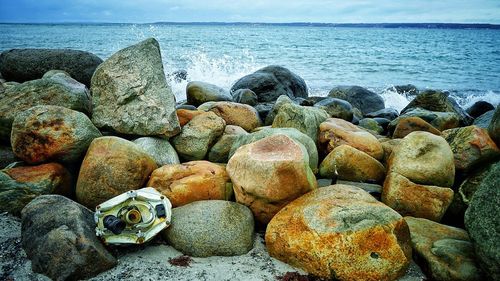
(387, 113)
(389, 145)
(198, 136)
(484, 120)
(263, 109)
(335, 132)
(29, 64)
(18, 186)
(198, 92)
(305, 119)
(58, 236)
(282, 100)
(407, 90)
(341, 232)
(211, 228)
(479, 108)
(382, 122)
(130, 94)
(186, 115)
(270, 173)
(159, 149)
(352, 165)
(440, 120)
(336, 108)
(6, 156)
(179, 75)
(371, 125)
(111, 167)
(245, 96)
(406, 125)
(237, 114)
(444, 251)
(52, 133)
(192, 181)
(359, 97)
(219, 153)
(494, 127)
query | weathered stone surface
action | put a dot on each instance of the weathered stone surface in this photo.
(198, 136)
(6, 156)
(219, 153)
(387, 113)
(373, 189)
(444, 251)
(186, 115)
(417, 200)
(440, 120)
(479, 108)
(206, 106)
(48, 133)
(407, 125)
(371, 125)
(198, 92)
(192, 181)
(270, 173)
(272, 81)
(406, 90)
(159, 149)
(58, 236)
(335, 132)
(211, 228)
(305, 119)
(18, 186)
(494, 127)
(263, 109)
(336, 108)
(282, 100)
(352, 165)
(359, 97)
(424, 158)
(389, 145)
(58, 90)
(471, 146)
(245, 96)
(341, 232)
(29, 64)
(130, 94)
(237, 114)
(484, 120)
(111, 167)
(483, 223)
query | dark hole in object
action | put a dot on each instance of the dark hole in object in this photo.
(374, 255)
(160, 211)
(114, 224)
(182, 261)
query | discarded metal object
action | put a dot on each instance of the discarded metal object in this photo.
(134, 217)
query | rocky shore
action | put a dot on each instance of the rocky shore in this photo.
(266, 182)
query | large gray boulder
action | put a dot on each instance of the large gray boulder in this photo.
(359, 97)
(29, 64)
(131, 94)
(159, 149)
(272, 81)
(58, 237)
(211, 228)
(306, 119)
(336, 108)
(198, 93)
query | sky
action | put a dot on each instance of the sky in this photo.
(324, 11)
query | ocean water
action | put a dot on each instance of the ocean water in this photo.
(465, 62)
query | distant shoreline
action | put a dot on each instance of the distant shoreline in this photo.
(295, 24)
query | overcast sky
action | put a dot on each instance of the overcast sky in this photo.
(331, 11)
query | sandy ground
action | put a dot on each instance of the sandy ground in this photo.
(151, 262)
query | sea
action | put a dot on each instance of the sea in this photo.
(464, 61)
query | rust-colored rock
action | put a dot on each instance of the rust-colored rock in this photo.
(185, 115)
(335, 132)
(341, 232)
(270, 173)
(238, 114)
(111, 167)
(192, 181)
(407, 125)
(389, 145)
(417, 200)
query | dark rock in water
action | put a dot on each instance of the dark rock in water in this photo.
(7, 156)
(359, 97)
(408, 90)
(29, 64)
(263, 109)
(494, 127)
(336, 108)
(18, 186)
(179, 75)
(200, 92)
(383, 122)
(388, 113)
(483, 223)
(438, 101)
(479, 108)
(271, 82)
(130, 94)
(484, 120)
(58, 236)
(245, 96)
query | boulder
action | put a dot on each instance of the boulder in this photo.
(219, 153)
(192, 181)
(305, 119)
(20, 185)
(444, 251)
(417, 200)
(282, 100)
(479, 108)
(335, 132)
(211, 228)
(58, 236)
(438, 101)
(407, 90)
(237, 114)
(263, 109)
(484, 120)
(270, 173)
(483, 223)
(471, 146)
(111, 167)
(245, 96)
(440, 120)
(47, 133)
(336, 108)
(424, 158)
(198, 136)
(406, 125)
(389, 145)
(29, 64)
(130, 94)
(206, 106)
(494, 127)
(7, 156)
(387, 113)
(341, 232)
(359, 97)
(371, 125)
(186, 115)
(352, 165)
(272, 81)
(198, 92)
(59, 90)
(159, 149)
